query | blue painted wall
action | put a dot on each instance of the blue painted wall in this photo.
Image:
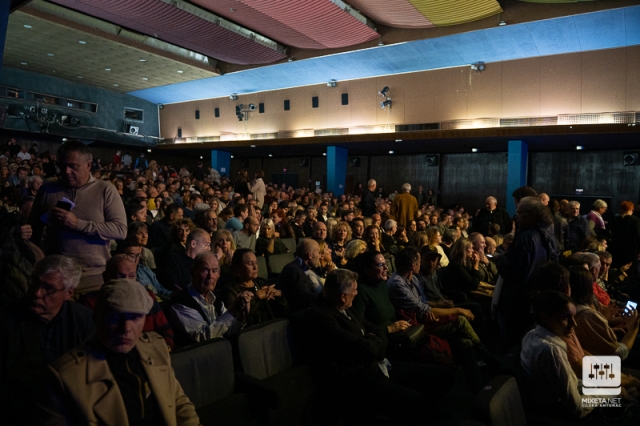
(110, 114)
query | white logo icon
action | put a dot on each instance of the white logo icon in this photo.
(601, 375)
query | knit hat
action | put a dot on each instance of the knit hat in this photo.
(124, 296)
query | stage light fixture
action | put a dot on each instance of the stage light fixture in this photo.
(384, 91)
(478, 66)
(386, 103)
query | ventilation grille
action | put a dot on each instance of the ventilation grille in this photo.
(331, 132)
(528, 122)
(478, 123)
(417, 127)
(598, 118)
(264, 136)
(200, 139)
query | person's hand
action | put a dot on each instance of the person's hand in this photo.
(447, 303)
(276, 235)
(26, 232)
(466, 313)
(474, 259)
(63, 218)
(429, 317)
(625, 268)
(339, 251)
(610, 311)
(632, 320)
(330, 266)
(242, 304)
(482, 258)
(398, 326)
(273, 292)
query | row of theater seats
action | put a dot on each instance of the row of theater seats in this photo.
(256, 379)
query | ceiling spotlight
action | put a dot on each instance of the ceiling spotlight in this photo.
(384, 91)
(23, 63)
(64, 139)
(332, 83)
(143, 60)
(253, 146)
(201, 157)
(107, 69)
(390, 152)
(290, 59)
(324, 154)
(474, 149)
(180, 72)
(116, 84)
(145, 78)
(232, 156)
(79, 76)
(502, 23)
(233, 96)
(149, 150)
(381, 43)
(386, 103)
(49, 54)
(478, 66)
(270, 155)
(398, 140)
(579, 147)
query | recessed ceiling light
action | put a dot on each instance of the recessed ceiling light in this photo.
(180, 71)
(253, 146)
(398, 140)
(474, 149)
(79, 76)
(64, 139)
(107, 69)
(201, 157)
(27, 26)
(49, 54)
(390, 152)
(579, 147)
(232, 156)
(23, 63)
(116, 84)
(270, 155)
(145, 78)
(149, 150)
(324, 154)
(82, 42)
(143, 60)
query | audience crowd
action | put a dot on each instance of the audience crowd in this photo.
(106, 266)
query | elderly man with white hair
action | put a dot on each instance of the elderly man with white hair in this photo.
(491, 215)
(405, 207)
(38, 329)
(579, 228)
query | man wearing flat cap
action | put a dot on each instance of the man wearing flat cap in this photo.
(121, 376)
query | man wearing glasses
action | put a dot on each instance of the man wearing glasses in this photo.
(37, 330)
(177, 272)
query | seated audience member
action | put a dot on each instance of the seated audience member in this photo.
(593, 264)
(353, 250)
(340, 236)
(616, 281)
(137, 212)
(450, 236)
(294, 282)
(347, 355)
(175, 273)
(506, 242)
(223, 247)
(240, 213)
(387, 238)
(551, 384)
(312, 214)
(319, 232)
(38, 329)
(142, 386)
(144, 275)
(463, 273)
(357, 228)
(197, 314)
(435, 240)
(179, 234)
(206, 218)
(268, 243)
(488, 270)
(160, 231)
(297, 225)
(267, 302)
(138, 233)
(593, 330)
(283, 228)
(318, 274)
(246, 237)
(374, 243)
(401, 237)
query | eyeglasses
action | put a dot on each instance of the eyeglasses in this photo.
(205, 245)
(381, 265)
(134, 257)
(48, 290)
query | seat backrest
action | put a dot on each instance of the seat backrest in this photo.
(205, 371)
(499, 403)
(264, 349)
(290, 243)
(277, 262)
(263, 271)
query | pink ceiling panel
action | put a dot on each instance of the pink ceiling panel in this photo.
(166, 22)
(308, 24)
(394, 13)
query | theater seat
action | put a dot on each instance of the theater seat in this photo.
(499, 403)
(205, 371)
(277, 262)
(266, 356)
(290, 243)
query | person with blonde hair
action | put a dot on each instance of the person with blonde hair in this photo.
(435, 239)
(462, 274)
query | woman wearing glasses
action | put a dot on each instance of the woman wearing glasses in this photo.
(267, 303)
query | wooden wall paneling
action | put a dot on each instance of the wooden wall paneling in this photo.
(391, 172)
(468, 179)
(597, 172)
(560, 84)
(365, 101)
(419, 105)
(338, 115)
(604, 80)
(632, 86)
(484, 92)
(521, 88)
(450, 97)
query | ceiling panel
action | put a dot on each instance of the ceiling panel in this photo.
(54, 49)
(448, 12)
(309, 24)
(394, 13)
(172, 24)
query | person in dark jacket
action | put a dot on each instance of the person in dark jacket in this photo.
(492, 215)
(625, 238)
(534, 244)
(579, 227)
(463, 272)
(368, 201)
(294, 282)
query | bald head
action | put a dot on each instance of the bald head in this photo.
(371, 184)
(309, 251)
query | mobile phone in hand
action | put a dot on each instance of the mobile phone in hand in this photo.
(63, 205)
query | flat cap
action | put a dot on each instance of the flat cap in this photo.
(125, 296)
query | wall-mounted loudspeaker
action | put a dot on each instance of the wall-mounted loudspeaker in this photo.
(431, 160)
(354, 161)
(304, 162)
(133, 130)
(631, 158)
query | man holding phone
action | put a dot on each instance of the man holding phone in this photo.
(81, 215)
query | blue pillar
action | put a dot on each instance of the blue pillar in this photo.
(221, 161)
(5, 7)
(336, 169)
(517, 170)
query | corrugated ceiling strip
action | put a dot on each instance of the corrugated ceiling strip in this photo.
(310, 24)
(166, 22)
(448, 12)
(393, 13)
